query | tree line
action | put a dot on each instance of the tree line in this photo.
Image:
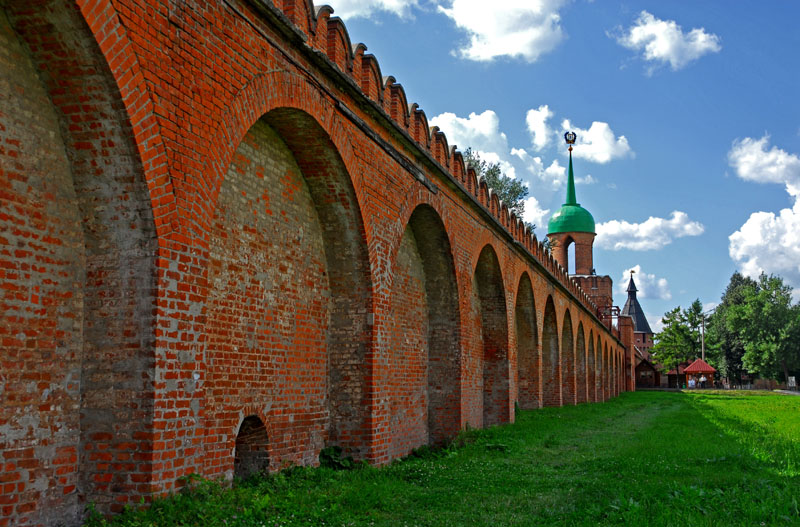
(755, 329)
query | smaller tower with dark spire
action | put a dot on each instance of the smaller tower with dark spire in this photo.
(642, 334)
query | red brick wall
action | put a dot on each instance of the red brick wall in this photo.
(191, 248)
(581, 379)
(528, 351)
(568, 390)
(551, 358)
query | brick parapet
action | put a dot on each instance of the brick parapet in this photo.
(187, 126)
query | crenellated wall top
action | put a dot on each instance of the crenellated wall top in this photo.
(328, 35)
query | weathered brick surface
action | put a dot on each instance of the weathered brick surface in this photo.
(227, 242)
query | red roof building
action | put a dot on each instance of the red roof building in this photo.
(699, 366)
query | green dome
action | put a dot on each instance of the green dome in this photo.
(571, 218)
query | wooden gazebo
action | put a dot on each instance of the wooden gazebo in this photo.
(700, 368)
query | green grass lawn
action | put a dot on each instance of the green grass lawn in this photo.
(645, 458)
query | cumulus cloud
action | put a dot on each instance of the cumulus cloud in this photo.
(649, 285)
(534, 213)
(653, 233)
(598, 144)
(767, 241)
(523, 29)
(536, 121)
(664, 42)
(753, 161)
(480, 131)
(366, 8)
(552, 176)
(656, 322)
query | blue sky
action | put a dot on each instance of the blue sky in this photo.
(689, 139)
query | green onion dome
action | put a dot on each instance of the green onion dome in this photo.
(571, 217)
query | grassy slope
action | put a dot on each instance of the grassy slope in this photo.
(643, 459)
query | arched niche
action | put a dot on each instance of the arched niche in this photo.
(251, 454)
(424, 386)
(527, 335)
(581, 393)
(551, 357)
(591, 370)
(567, 360)
(77, 212)
(488, 283)
(289, 296)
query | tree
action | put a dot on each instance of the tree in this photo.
(679, 341)
(511, 191)
(727, 345)
(769, 326)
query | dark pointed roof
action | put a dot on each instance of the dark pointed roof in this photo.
(634, 310)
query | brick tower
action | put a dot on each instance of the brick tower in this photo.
(574, 224)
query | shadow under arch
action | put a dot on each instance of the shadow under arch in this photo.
(289, 296)
(251, 453)
(567, 360)
(487, 281)
(425, 387)
(606, 373)
(599, 370)
(591, 370)
(94, 249)
(551, 357)
(527, 334)
(581, 384)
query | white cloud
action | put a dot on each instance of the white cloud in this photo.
(534, 213)
(598, 144)
(663, 41)
(654, 233)
(649, 285)
(552, 176)
(513, 28)
(366, 8)
(656, 322)
(479, 131)
(767, 241)
(536, 121)
(753, 162)
(770, 243)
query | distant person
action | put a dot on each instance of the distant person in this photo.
(703, 381)
(692, 384)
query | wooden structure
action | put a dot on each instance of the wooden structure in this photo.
(697, 370)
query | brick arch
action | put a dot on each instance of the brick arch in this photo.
(528, 353)
(598, 350)
(112, 40)
(551, 357)
(591, 370)
(423, 388)
(581, 394)
(606, 373)
(487, 282)
(84, 241)
(289, 295)
(265, 92)
(418, 195)
(615, 370)
(251, 447)
(568, 389)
